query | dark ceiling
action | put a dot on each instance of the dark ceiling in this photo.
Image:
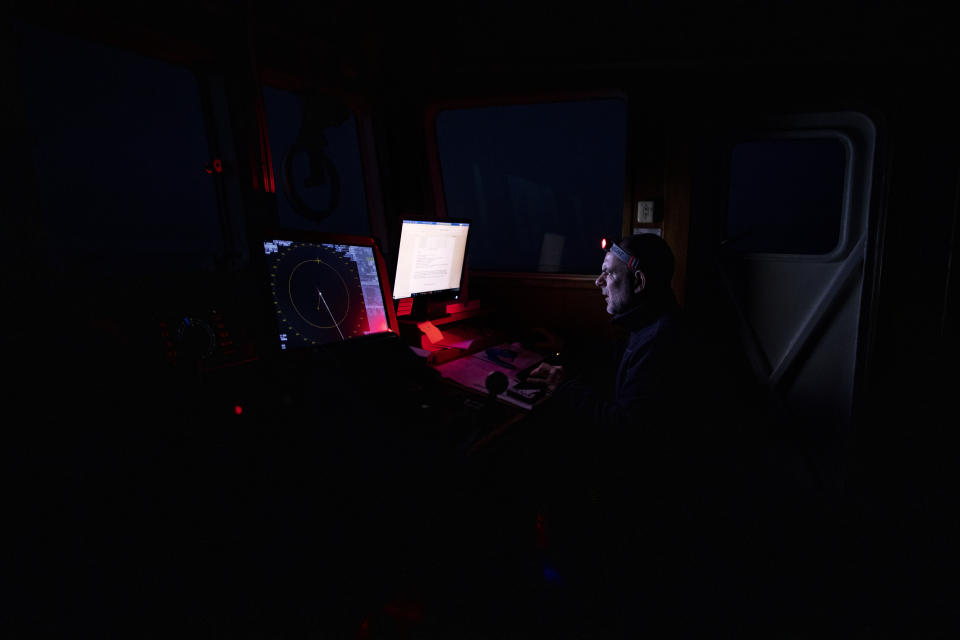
(460, 34)
(457, 35)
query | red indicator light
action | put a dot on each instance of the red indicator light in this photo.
(237, 410)
(603, 243)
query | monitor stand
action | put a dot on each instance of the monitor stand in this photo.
(425, 308)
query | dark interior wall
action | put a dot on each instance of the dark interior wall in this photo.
(23, 267)
(915, 318)
(908, 451)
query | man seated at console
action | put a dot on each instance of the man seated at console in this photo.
(632, 402)
(635, 283)
(622, 447)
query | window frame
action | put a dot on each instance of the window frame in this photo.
(362, 111)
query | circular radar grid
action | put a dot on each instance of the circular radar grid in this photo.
(313, 285)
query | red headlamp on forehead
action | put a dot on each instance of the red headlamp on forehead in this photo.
(626, 258)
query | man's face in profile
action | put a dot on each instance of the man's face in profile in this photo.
(616, 284)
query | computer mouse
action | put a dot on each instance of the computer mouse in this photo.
(496, 383)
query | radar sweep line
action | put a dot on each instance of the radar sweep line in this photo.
(331, 313)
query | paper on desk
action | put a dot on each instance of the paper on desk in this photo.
(423, 353)
(459, 344)
(472, 371)
(456, 339)
(431, 331)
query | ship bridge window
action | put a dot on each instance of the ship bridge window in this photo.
(119, 147)
(317, 166)
(542, 182)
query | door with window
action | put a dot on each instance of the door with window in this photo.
(779, 243)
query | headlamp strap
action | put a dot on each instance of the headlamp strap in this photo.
(626, 258)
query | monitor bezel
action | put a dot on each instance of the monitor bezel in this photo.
(453, 293)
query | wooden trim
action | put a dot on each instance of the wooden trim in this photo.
(569, 304)
(543, 280)
(433, 162)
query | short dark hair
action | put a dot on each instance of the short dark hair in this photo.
(654, 258)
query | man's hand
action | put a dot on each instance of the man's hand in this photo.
(551, 375)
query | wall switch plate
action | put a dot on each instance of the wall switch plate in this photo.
(645, 211)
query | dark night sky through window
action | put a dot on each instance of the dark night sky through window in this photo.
(541, 182)
(786, 196)
(119, 150)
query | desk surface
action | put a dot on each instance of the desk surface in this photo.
(464, 350)
(471, 371)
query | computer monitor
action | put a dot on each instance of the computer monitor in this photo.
(326, 288)
(430, 261)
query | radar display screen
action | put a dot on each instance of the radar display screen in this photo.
(324, 292)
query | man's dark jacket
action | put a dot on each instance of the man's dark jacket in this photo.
(652, 377)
